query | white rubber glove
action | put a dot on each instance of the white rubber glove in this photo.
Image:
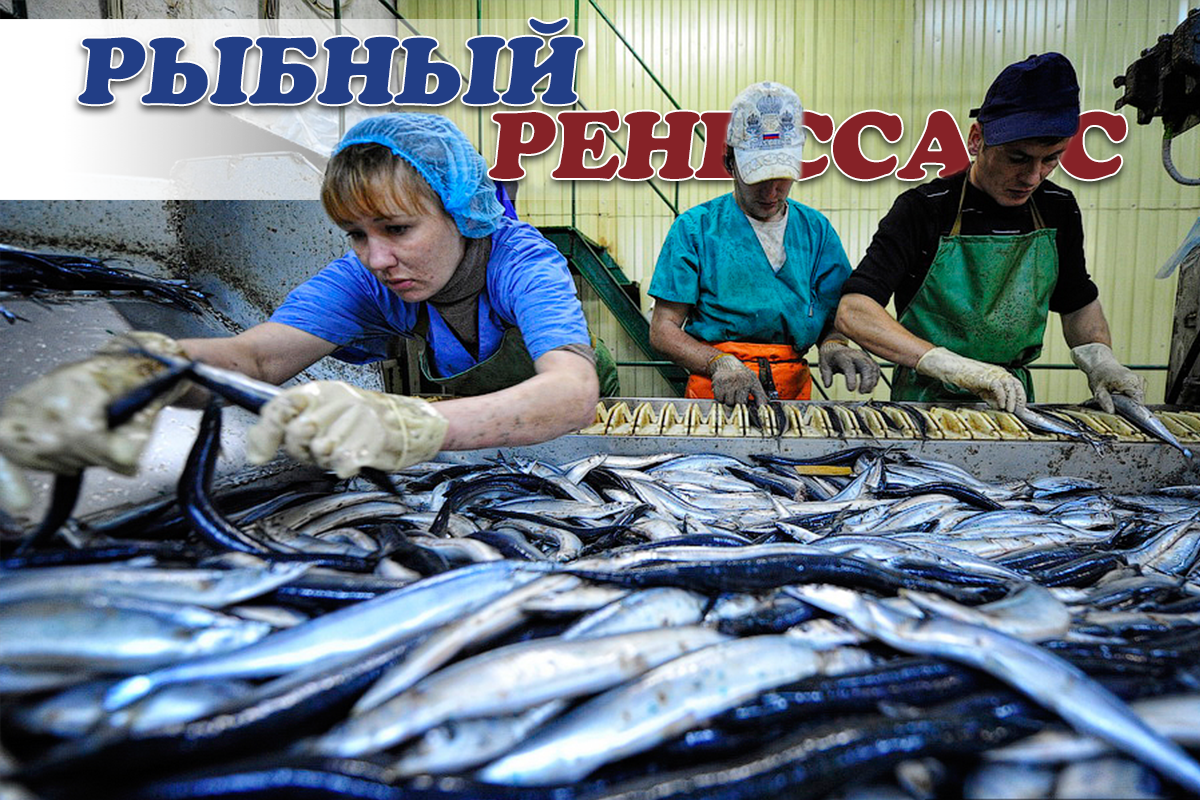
(1107, 376)
(996, 385)
(839, 358)
(58, 422)
(733, 382)
(342, 428)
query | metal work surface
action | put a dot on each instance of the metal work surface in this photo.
(71, 329)
(992, 445)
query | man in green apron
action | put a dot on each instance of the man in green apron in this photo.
(976, 261)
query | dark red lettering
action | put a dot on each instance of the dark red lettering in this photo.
(951, 152)
(716, 125)
(821, 126)
(576, 142)
(677, 144)
(510, 147)
(1077, 163)
(847, 152)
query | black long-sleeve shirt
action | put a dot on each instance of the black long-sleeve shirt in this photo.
(899, 256)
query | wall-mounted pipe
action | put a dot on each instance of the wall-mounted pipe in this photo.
(1169, 164)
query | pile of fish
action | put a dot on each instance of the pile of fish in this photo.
(873, 625)
(53, 278)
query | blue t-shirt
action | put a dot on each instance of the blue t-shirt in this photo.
(712, 261)
(528, 285)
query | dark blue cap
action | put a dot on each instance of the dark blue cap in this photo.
(1032, 98)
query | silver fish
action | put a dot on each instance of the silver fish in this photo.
(1144, 420)
(511, 679)
(1052, 682)
(664, 702)
(462, 744)
(1107, 779)
(1172, 550)
(115, 634)
(448, 641)
(1038, 422)
(297, 516)
(392, 617)
(1174, 716)
(78, 711)
(1031, 612)
(1009, 782)
(211, 588)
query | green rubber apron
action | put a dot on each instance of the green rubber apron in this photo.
(509, 365)
(985, 297)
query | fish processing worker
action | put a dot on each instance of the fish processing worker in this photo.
(754, 274)
(976, 261)
(432, 256)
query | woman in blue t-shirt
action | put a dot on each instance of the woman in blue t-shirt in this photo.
(434, 257)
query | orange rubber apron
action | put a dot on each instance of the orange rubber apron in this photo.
(788, 368)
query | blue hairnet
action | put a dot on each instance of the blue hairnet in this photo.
(445, 158)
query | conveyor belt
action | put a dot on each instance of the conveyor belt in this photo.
(993, 445)
(703, 418)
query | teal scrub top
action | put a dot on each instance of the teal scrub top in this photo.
(712, 261)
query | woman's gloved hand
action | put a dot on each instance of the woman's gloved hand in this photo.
(343, 428)
(733, 382)
(996, 385)
(1107, 376)
(14, 489)
(58, 422)
(838, 357)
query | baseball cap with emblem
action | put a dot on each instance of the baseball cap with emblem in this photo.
(1030, 99)
(766, 132)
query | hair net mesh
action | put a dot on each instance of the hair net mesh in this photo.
(445, 158)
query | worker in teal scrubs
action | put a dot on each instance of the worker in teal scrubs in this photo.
(976, 261)
(753, 275)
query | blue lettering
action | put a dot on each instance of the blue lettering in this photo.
(485, 50)
(99, 75)
(377, 70)
(167, 67)
(230, 65)
(418, 68)
(559, 66)
(274, 68)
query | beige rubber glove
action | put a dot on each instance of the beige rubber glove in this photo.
(996, 385)
(733, 382)
(839, 358)
(14, 489)
(58, 422)
(342, 428)
(1107, 376)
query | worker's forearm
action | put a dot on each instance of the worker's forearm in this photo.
(684, 349)
(1086, 325)
(227, 354)
(541, 408)
(875, 330)
(219, 352)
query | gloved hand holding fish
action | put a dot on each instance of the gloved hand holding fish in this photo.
(344, 429)
(859, 369)
(733, 382)
(58, 422)
(1107, 376)
(993, 383)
